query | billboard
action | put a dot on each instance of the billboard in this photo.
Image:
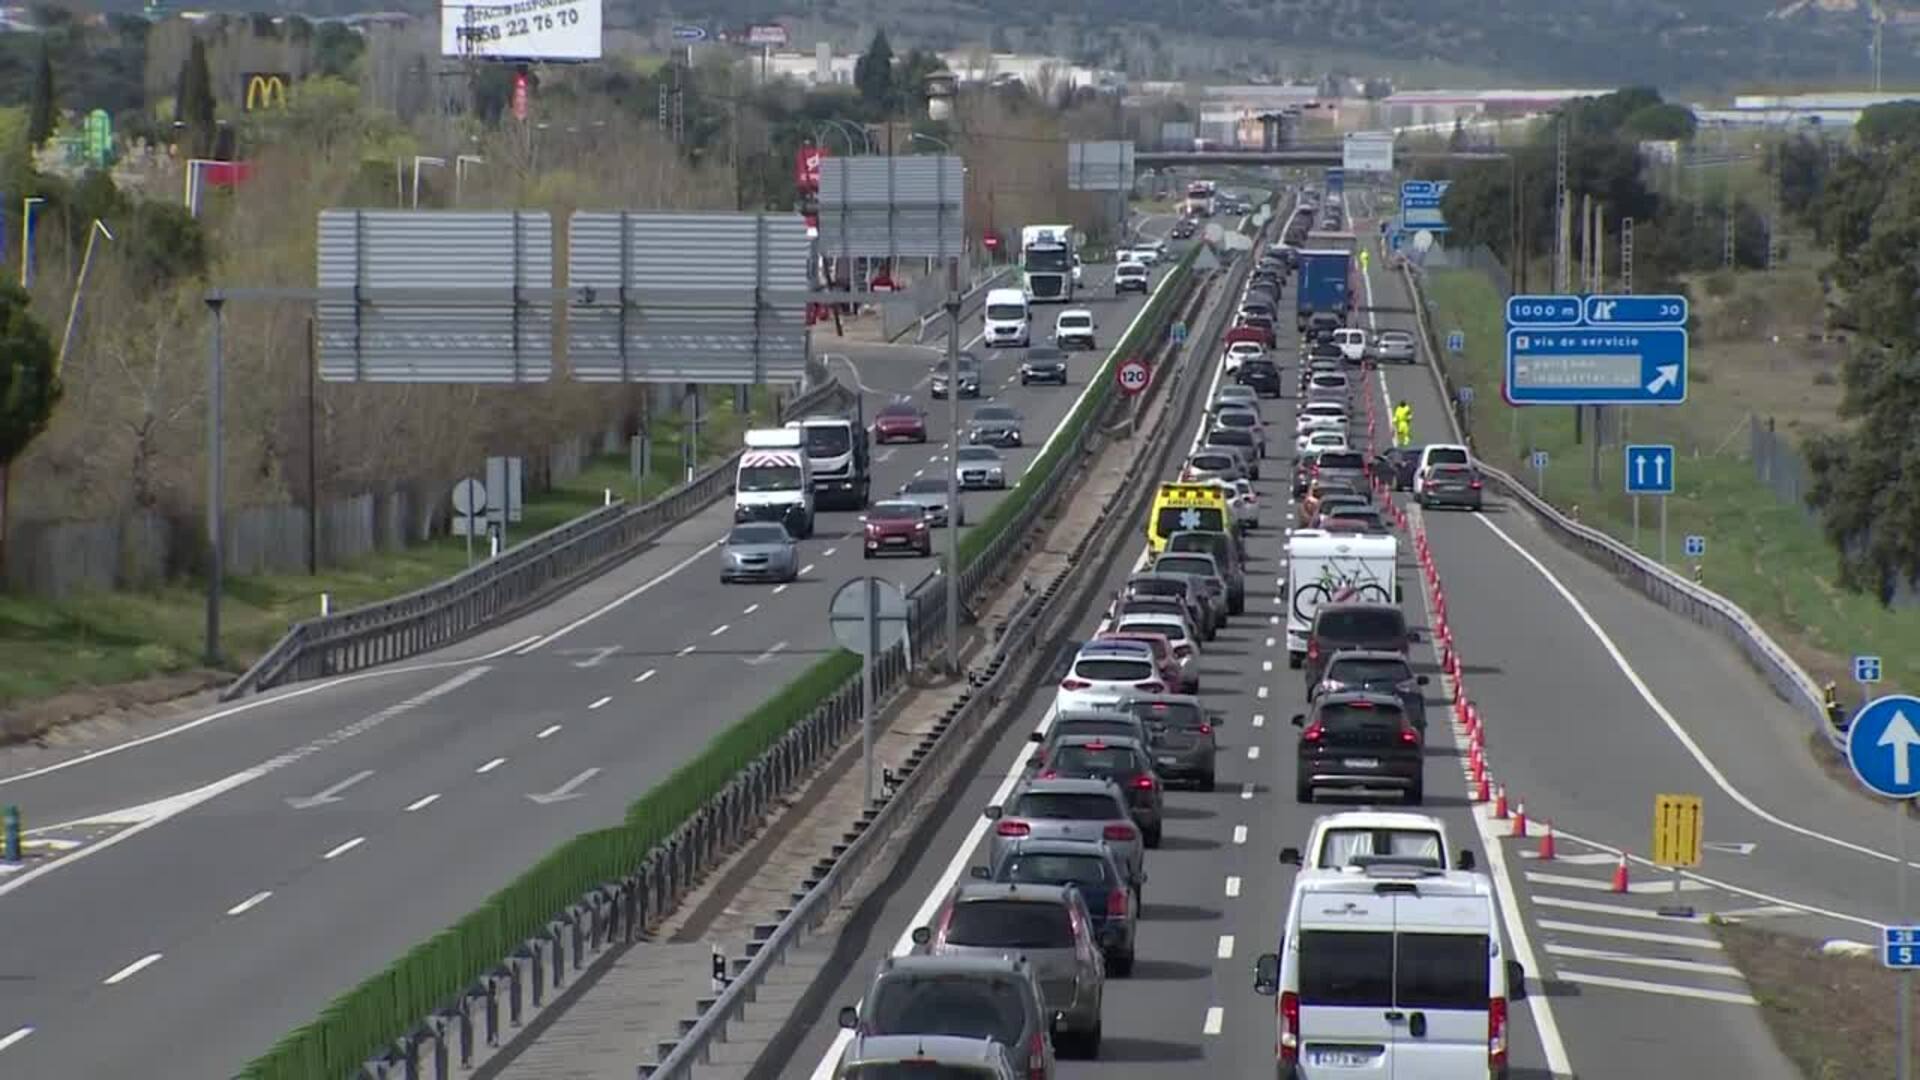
(806, 167)
(520, 29)
(264, 90)
(1368, 152)
(770, 35)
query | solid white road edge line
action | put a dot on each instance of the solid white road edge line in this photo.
(618, 601)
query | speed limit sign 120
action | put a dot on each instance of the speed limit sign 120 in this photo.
(1134, 375)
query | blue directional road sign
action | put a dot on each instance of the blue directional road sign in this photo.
(1649, 470)
(1900, 947)
(1420, 204)
(1882, 743)
(1543, 312)
(1597, 366)
(1466, 395)
(1456, 341)
(1696, 546)
(689, 33)
(1636, 311)
(1539, 459)
(1866, 669)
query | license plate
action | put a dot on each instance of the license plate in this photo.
(1342, 1059)
(1362, 763)
(896, 539)
(1167, 759)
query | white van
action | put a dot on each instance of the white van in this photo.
(1008, 319)
(775, 480)
(1353, 343)
(1438, 454)
(1324, 566)
(1395, 971)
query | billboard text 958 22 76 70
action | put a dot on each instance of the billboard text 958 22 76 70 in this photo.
(520, 29)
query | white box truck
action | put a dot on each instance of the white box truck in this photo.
(775, 481)
(1324, 566)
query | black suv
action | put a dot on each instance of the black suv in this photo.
(1380, 673)
(1262, 376)
(1359, 739)
(1374, 624)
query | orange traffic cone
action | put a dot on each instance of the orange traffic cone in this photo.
(1520, 823)
(1546, 844)
(1620, 874)
(1480, 788)
(1500, 803)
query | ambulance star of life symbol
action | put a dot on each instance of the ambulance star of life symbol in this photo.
(1190, 519)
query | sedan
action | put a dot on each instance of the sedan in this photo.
(902, 421)
(969, 369)
(980, 467)
(1044, 364)
(1394, 347)
(759, 551)
(1315, 441)
(930, 495)
(995, 425)
(896, 527)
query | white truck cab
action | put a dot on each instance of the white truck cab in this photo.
(1324, 566)
(775, 480)
(1348, 841)
(1395, 971)
(1008, 319)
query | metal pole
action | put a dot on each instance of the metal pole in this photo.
(313, 459)
(1663, 528)
(1636, 522)
(216, 487)
(1906, 975)
(868, 691)
(953, 473)
(79, 289)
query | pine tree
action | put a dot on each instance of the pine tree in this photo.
(29, 386)
(40, 114)
(873, 72)
(196, 102)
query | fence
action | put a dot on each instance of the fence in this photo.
(610, 882)
(922, 303)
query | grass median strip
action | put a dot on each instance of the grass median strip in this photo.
(1832, 1016)
(364, 1020)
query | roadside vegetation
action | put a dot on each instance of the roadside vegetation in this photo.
(1830, 1015)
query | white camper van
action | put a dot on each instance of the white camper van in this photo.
(1397, 970)
(775, 481)
(1324, 566)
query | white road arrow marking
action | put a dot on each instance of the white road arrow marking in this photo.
(1668, 374)
(330, 795)
(1729, 849)
(567, 790)
(1903, 738)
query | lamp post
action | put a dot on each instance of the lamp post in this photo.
(79, 289)
(418, 161)
(26, 239)
(460, 173)
(944, 145)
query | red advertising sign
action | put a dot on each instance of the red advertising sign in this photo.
(520, 91)
(226, 174)
(806, 167)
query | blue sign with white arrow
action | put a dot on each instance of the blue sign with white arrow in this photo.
(1636, 311)
(1456, 341)
(1649, 470)
(1900, 947)
(1420, 204)
(1597, 366)
(1695, 546)
(1882, 743)
(689, 33)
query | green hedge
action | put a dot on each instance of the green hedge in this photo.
(363, 1021)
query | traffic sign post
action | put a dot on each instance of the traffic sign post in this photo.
(868, 616)
(1649, 471)
(1133, 375)
(1880, 748)
(1456, 341)
(1677, 833)
(1597, 350)
(469, 509)
(1540, 473)
(1866, 670)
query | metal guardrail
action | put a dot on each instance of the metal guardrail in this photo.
(618, 912)
(968, 301)
(1663, 586)
(515, 581)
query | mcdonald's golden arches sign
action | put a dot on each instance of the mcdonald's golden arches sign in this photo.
(264, 89)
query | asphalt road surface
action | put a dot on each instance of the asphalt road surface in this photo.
(236, 872)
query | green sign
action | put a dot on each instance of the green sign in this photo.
(99, 138)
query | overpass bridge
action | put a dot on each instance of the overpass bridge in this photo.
(1297, 154)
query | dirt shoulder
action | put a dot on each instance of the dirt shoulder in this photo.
(1832, 1015)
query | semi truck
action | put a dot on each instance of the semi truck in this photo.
(774, 481)
(1326, 285)
(1200, 196)
(838, 459)
(1047, 263)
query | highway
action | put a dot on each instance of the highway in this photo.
(239, 869)
(1216, 893)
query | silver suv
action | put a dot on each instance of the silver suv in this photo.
(1047, 925)
(977, 997)
(883, 1057)
(1069, 809)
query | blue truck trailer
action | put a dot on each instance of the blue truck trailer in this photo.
(1326, 285)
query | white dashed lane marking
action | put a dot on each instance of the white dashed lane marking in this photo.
(422, 803)
(721, 629)
(1216, 1019)
(250, 902)
(491, 765)
(1233, 887)
(133, 969)
(344, 848)
(644, 676)
(596, 705)
(1239, 834)
(548, 732)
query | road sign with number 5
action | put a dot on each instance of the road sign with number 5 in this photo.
(1900, 946)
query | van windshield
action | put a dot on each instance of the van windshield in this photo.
(1006, 312)
(768, 478)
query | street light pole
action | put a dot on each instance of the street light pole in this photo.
(953, 472)
(79, 288)
(26, 240)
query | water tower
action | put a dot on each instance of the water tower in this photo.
(941, 87)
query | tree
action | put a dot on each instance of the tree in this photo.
(873, 74)
(29, 386)
(196, 101)
(1888, 124)
(1457, 141)
(1801, 165)
(1660, 122)
(41, 116)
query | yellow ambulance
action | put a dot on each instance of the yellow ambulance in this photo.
(1181, 507)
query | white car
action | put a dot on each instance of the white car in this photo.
(1240, 352)
(1131, 275)
(1438, 454)
(1353, 343)
(1105, 673)
(1314, 442)
(1073, 328)
(1150, 252)
(1321, 416)
(1246, 503)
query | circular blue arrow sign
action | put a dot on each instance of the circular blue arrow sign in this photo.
(1883, 746)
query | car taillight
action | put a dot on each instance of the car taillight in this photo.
(1410, 737)
(1116, 903)
(1049, 774)
(1013, 828)
(1117, 832)
(1144, 783)
(1475, 485)
(1313, 648)
(1205, 729)
(1290, 1027)
(1497, 1034)
(1074, 684)
(1151, 686)
(1311, 733)
(1037, 1057)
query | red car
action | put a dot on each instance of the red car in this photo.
(896, 527)
(902, 421)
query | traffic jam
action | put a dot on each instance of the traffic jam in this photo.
(1389, 960)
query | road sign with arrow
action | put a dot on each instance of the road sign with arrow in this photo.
(1649, 470)
(1881, 743)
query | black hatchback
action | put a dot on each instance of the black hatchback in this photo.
(1375, 626)
(1262, 376)
(1359, 741)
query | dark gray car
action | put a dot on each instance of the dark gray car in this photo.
(1044, 364)
(1379, 672)
(1226, 552)
(1092, 869)
(979, 997)
(1196, 565)
(1047, 925)
(969, 369)
(930, 494)
(995, 425)
(1181, 736)
(1205, 612)
(1069, 809)
(1125, 763)
(759, 551)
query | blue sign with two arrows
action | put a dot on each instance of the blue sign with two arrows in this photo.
(1649, 470)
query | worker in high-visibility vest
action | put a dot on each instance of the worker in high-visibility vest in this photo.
(1403, 424)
